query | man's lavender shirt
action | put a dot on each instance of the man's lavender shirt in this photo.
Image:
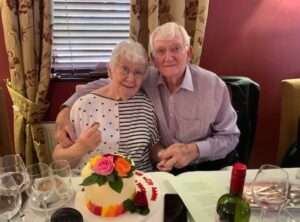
(199, 111)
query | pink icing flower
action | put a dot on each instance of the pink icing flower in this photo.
(104, 166)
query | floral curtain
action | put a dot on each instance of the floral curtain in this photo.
(146, 15)
(28, 38)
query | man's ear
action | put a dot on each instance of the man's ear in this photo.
(152, 59)
(189, 54)
(153, 62)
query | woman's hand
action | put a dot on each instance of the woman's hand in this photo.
(64, 132)
(89, 139)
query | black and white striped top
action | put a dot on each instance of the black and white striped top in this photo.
(128, 127)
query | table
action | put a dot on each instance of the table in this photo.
(162, 179)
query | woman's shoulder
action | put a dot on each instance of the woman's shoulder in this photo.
(140, 95)
(140, 99)
(88, 98)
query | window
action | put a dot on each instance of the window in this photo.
(84, 33)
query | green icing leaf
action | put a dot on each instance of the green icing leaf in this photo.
(129, 205)
(117, 184)
(145, 211)
(101, 180)
(90, 180)
(111, 178)
(131, 172)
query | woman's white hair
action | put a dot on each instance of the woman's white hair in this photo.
(131, 50)
(168, 31)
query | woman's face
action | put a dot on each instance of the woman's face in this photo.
(127, 78)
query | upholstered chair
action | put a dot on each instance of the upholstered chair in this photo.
(290, 113)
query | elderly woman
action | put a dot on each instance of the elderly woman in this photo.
(117, 118)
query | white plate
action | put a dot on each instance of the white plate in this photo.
(51, 207)
(140, 179)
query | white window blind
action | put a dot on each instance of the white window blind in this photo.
(85, 31)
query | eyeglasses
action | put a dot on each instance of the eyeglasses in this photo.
(138, 74)
(175, 49)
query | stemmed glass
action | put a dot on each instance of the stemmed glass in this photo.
(60, 170)
(14, 165)
(285, 216)
(41, 187)
(270, 190)
(10, 197)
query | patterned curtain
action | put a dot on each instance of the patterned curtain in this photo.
(146, 15)
(28, 38)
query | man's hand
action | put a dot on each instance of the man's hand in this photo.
(89, 139)
(177, 155)
(64, 133)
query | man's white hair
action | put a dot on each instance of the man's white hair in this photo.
(168, 31)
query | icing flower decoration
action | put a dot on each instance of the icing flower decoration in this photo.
(122, 167)
(94, 159)
(141, 199)
(104, 166)
(139, 204)
(109, 169)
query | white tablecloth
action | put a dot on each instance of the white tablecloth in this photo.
(161, 179)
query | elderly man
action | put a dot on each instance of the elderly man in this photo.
(196, 120)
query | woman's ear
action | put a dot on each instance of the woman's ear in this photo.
(109, 71)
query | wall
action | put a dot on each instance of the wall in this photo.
(261, 40)
(258, 39)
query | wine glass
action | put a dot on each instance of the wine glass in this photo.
(10, 197)
(270, 190)
(285, 216)
(60, 170)
(14, 165)
(41, 189)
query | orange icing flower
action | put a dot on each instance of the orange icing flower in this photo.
(122, 166)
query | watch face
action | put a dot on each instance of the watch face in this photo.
(174, 209)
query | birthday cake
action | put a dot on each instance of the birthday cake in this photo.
(109, 186)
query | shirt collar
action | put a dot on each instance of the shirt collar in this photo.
(187, 82)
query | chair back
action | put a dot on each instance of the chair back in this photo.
(290, 113)
(49, 131)
(244, 94)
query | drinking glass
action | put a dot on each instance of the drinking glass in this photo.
(10, 197)
(60, 170)
(14, 165)
(41, 189)
(270, 189)
(285, 216)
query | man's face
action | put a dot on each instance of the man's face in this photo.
(171, 56)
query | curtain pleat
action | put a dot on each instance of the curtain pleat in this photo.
(146, 15)
(28, 37)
